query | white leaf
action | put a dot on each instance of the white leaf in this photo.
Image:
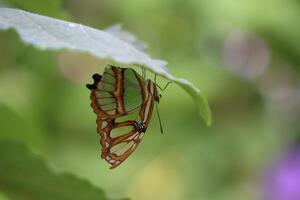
(49, 33)
(117, 31)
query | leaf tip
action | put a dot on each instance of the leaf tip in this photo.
(205, 111)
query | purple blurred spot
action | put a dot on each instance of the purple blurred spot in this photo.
(282, 181)
(245, 55)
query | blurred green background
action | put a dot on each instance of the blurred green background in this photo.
(244, 55)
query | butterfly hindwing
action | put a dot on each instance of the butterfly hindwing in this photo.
(116, 149)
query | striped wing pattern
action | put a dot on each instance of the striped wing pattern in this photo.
(112, 104)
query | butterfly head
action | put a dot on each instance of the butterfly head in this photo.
(156, 95)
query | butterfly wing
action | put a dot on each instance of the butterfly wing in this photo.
(117, 92)
(115, 95)
(117, 149)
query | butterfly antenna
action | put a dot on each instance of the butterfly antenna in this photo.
(160, 124)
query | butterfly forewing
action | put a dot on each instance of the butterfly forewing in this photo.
(133, 84)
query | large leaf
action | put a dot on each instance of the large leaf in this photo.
(25, 176)
(49, 33)
(118, 32)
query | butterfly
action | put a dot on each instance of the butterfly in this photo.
(123, 101)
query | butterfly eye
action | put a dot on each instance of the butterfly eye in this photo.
(157, 97)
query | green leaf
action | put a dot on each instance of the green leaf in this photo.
(24, 175)
(49, 33)
(23, 132)
(201, 102)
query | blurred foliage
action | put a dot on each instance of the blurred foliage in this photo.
(52, 8)
(44, 103)
(25, 176)
(3, 197)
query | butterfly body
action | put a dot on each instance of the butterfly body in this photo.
(123, 102)
(140, 127)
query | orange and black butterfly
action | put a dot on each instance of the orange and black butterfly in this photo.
(123, 101)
